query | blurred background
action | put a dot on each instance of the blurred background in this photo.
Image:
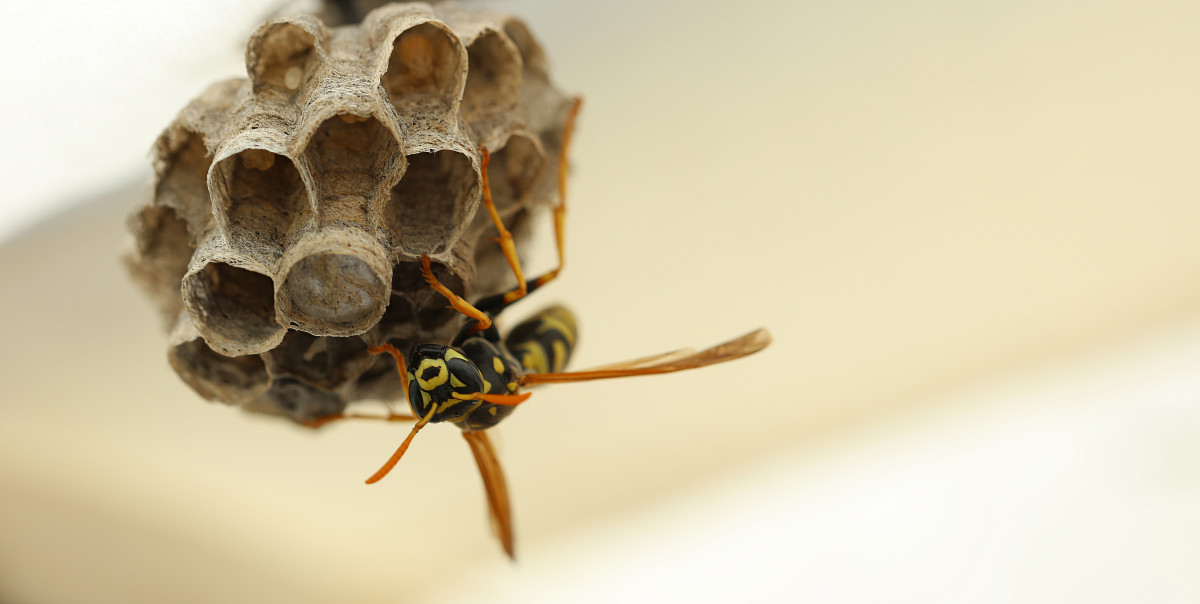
(971, 228)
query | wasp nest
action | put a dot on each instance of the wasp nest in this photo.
(290, 209)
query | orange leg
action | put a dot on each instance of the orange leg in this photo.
(504, 238)
(560, 213)
(401, 366)
(390, 417)
(482, 321)
(560, 210)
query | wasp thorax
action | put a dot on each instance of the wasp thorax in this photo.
(435, 374)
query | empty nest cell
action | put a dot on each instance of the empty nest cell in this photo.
(216, 376)
(281, 58)
(352, 157)
(433, 200)
(161, 257)
(262, 197)
(493, 74)
(513, 171)
(233, 308)
(425, 64)
(532, 56)
(183, 184)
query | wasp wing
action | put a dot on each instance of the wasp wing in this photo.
(665, 363)
(494, 486)
(645, 361)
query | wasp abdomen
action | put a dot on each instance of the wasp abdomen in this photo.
(544, 342)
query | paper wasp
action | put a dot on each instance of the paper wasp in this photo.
(476, 381)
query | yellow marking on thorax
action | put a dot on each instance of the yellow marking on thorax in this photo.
(512, 386)
(498, 365)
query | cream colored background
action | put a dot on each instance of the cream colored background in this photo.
(917, 198)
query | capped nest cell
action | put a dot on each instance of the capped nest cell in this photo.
(290, 209)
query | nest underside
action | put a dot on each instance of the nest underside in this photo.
(289, 209)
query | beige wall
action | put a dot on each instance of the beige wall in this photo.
(912, 199)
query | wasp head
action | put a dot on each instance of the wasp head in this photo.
(435, 374)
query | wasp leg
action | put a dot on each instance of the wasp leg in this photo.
(507, 246)
(504, 238)
(494, 485)
(560, 210)
(482, 320)
(390, 417)
(494, 305)
(401, 366)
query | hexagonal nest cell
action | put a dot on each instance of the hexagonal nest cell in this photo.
(289, 209)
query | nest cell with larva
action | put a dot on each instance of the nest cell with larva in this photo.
(289, 209)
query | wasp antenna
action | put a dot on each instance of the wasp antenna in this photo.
(391, 463)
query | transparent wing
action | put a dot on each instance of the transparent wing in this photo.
(664, 363)
(644, 361)
(494, 486)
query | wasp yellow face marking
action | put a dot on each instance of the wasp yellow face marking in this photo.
(453, 354)
(431, 373)
(487, 386)
(454, 381)
(498, 365)
(425, 397)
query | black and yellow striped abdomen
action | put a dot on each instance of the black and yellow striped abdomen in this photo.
(544, 342)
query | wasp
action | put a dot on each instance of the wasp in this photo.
(476, 381)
